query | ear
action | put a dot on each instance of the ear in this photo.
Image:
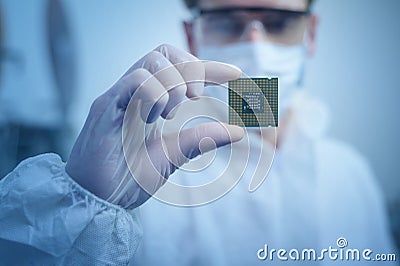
(188, 26)
(312, 34)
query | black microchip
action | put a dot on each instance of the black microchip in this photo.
(253, 102)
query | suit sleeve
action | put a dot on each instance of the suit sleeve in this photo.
(48, 219)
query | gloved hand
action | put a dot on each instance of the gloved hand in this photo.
(145, 94)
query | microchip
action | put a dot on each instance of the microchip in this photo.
(253, 102)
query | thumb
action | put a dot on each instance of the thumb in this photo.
(191, 142)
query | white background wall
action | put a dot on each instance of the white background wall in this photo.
(355, 69)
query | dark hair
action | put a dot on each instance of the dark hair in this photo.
(194, 3)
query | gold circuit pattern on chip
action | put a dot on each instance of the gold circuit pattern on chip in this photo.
(253, 102)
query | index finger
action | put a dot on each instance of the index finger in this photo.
(220, 73)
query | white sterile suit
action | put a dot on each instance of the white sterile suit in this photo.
(86, 212)
(317, 191)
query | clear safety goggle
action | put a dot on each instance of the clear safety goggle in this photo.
(232, 24)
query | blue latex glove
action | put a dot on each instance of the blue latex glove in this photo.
(146, 93)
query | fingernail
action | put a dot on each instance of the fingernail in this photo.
(236, 133)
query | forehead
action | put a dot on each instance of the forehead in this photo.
(280, 4)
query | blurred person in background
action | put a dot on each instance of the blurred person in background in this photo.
(38, 80)
(318, 188)
(87, 210)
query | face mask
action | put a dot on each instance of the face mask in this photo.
(265, 60)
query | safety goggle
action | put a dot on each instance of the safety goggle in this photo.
(231, 24)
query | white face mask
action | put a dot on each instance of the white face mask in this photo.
(266, 60)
